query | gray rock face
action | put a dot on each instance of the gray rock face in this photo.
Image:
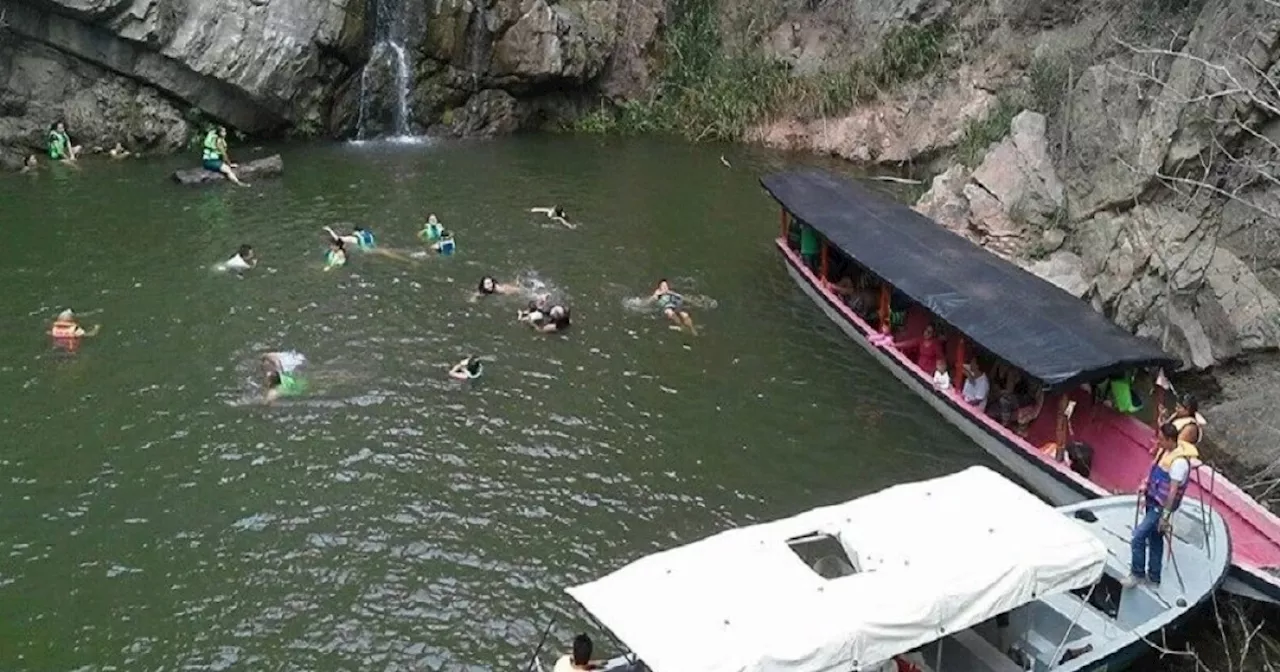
(256, 65)
(39, 85)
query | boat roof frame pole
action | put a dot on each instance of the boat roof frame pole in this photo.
(1079, 612)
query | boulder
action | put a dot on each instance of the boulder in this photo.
(1159, 271)
(1064, 269)
(271, 166)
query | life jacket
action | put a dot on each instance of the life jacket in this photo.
(332, 258)
(1158, 481)
(1123, 398)
(64, 329)
(1180, 423)
(431, 232)
(210, 147)
(291, 386)
(58, 145)
(365, 239)
(446, 246)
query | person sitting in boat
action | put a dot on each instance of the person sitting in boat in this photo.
(1119, 393)
(907, 662)
(579, 658)
(66, 332)
(1078, 455)
(926, 350)
(976, 386)
(1186, 417)
(941, 377)
(1161, 494)
(1027, 414)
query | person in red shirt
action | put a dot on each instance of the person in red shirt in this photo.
(927, 350)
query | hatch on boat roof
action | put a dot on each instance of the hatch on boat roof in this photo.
(1024, 320)
(932, 558)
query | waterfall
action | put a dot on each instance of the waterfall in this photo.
(388, 56)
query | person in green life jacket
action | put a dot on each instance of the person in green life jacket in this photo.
(60, 147)
(336, 256)
(432, 230)
(809, 246)
(1119, 394)
(213, 154)
(284, 374)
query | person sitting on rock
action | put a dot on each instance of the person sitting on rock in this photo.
(60, 147)
(214, 154)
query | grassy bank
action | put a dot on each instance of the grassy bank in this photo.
(711, 88)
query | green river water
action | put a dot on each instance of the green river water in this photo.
(396, 520)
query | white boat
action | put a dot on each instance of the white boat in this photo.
(964, 573)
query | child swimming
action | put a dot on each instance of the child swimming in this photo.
(556, 213)
(66, 332)
(488, 285)
(243, 260)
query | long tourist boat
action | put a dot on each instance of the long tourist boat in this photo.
(992, 310)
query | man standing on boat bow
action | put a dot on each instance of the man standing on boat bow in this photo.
(1161, 494)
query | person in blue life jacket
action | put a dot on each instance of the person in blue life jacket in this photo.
(444, 247)
(1160, 494)
(213, 154)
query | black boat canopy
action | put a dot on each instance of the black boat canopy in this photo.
(1022, 319)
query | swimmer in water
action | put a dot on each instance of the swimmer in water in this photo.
(31, 164)
(119, 152)
(336, 256)
(66, 332)
(557, 319)
(556, 213)
(488, 285)
(243, 260)
(469, 368)
(672, 306)
(431, 231)
(535, 315)
(283, 375)
(362, 239)
(445, 247)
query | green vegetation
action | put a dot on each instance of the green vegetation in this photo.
(709, 89)
(980, 134)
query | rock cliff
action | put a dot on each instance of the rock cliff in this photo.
(134, 70)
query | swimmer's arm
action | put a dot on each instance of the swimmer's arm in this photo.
(565, 222)
(544, 211)
(458, 369)
(92, 332)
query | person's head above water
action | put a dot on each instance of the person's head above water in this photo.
(245, 252)
(473, 365)
(32, 161)
(66, 315)
(487, 285)
(431, 219)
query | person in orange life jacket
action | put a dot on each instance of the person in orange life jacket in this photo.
(1186, 417)
(1161, 494)
(67, 333)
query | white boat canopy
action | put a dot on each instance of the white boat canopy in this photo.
(932, 558)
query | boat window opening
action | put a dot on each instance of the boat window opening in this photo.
(825, 555)
(1104, 596)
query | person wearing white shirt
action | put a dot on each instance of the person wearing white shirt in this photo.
(941, 379)
(976, 386)
(580, 659)
(243, 261)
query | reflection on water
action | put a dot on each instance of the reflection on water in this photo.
(397, 519)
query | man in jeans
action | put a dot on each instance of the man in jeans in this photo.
(1161, 493)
